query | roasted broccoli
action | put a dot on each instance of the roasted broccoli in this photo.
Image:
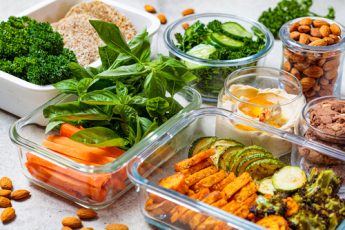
(32, 51)
(269, 206)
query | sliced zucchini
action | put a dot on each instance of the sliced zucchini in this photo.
(226, 41)
(247, 151)
(266, 186)
(264, 168)
(200, 51)
(201, 144)
(245, 161)
(227, 155)
(219, 152)
(289, 178)
(236, 30)
(226, 142)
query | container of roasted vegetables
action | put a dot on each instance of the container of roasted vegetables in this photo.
(214, 45)
(197, 175)
(79, 143)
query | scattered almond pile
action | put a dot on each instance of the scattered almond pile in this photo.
(74, 222)
(317, 71)
(6, 195)
(163, 19)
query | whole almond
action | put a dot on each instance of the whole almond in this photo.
(304, 29)
(310, 93)
(321, 62)
(66, 228)
(329, 40)
(185, 25)
(306, 21)
(294, 27)
(301, 66)
(325, 31)
(329, 75)
(330, 65)
(319, 23)
(5, 202)
(307, 83)
(295, 35)
(162, 18)
(6, 183)
(313, 38)
(287, 66)
(315, 32)
(319, 42)
(296, 73)
(116, 227)
(72, 222)
(335, 29)
(149, 8)
(323, 82)
(295, 57)
(8, 214)
(303, 38)
(313, 71)
(20, 194)
(188, 11)
(84, 213)
(87, 228)
(5, 193)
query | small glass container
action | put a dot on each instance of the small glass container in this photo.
(267, 95)
(332, 135)
(87, 185)
(212, 73)
(319, 68)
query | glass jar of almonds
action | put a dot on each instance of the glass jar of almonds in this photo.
(313, 51)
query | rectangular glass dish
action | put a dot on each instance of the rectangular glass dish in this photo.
(90, 186)
(158, 161)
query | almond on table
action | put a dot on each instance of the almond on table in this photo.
(149, 8)
(8, 214)
(84, 213)
(188, 11)
(72, 222)
(116, 227)
(6, 183)
(162, 18)
(20, 194)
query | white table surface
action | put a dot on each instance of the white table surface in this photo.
(45, 210)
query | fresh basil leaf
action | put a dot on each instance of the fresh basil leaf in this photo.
(111, 36)
(52, 125)
(121, 89)
(154, 86)
(175, 107)
(67, 86)
(148, 126)
(157, 106)
(139, 131)
(125, 111)
(122, 72)
(138, 100)
(99, 137)
(93, 70)
(100, 84)
(74, 111)
(100, 97)
(107, 55)
(84, 84)
(78, 71)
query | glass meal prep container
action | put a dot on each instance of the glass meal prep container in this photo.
(89, 186)
(269, 95)
(212, 73)
(158, 161)
(319, 68)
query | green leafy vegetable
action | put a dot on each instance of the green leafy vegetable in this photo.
(287, 10)
(32, 51)
(126, 98)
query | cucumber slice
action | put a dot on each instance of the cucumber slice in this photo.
(236, 30)
(289, 178)
(266, 186)
(201, 144)
(264, 168)
(226, 41)
(245, 161)
(227, 155)
(200, 51)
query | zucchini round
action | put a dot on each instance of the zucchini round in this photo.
(289, 178)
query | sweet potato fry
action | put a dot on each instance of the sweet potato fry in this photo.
(194, 178)
(212, 224)
(161, 208)
(245, 192)
(232, 206)
(189, 162)
(273, 222)
(209, 181)
(175, 182)
(250, 200)
(236, 185)
(221, 185)
(203, 164)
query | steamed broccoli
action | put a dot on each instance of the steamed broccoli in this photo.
(32, 51)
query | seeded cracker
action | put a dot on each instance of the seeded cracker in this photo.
(80, 36)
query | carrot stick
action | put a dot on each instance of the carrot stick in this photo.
(67, 130)
(77, 153)
(66, 183)
(110, 152)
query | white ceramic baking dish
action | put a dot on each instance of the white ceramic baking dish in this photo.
(20, 97)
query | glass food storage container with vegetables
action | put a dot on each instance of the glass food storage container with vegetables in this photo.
(323, 121)
(313, 51)
(215, 45)
(94, 186)
(181, 152)
(267, 95)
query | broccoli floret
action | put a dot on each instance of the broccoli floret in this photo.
(269, 206)
(32, 51)
(309, 219)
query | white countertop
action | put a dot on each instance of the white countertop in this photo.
(45, 210)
